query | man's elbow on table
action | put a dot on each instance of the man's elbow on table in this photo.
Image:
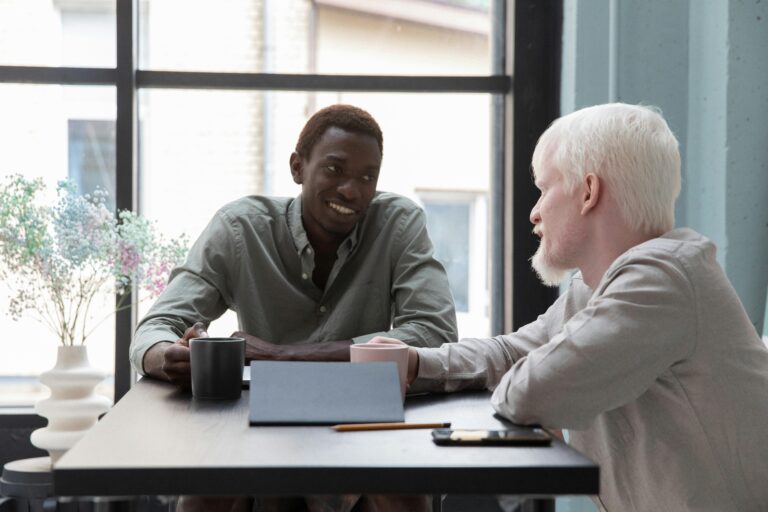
(525, 406)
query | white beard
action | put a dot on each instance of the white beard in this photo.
(548, 274)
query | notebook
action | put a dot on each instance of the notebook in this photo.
(315, 393)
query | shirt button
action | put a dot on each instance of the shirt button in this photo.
(323, 309)
(304, 276)
(309, 251)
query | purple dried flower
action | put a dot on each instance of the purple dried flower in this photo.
(67, 253)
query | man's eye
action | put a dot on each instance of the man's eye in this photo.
(332, 169)
(370, 178)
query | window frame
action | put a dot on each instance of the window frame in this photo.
(517, 120)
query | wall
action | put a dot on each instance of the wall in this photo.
(746, 169)
(703, 63)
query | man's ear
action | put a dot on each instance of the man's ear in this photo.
(591, 192)
(297, 168)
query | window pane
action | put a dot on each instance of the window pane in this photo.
(448, 224)
(201, 149)
(77, 33)
(92, 156)
(377, 37)
(48, 127)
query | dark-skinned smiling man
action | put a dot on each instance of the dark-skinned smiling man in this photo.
(307, 276)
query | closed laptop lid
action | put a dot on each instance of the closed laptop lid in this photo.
(324, 393)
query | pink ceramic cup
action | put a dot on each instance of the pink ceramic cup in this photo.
(377, 352)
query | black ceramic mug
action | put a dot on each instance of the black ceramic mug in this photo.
(217, 367)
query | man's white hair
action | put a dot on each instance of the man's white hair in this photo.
(630, 147)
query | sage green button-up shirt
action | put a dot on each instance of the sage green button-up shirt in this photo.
(254, 258)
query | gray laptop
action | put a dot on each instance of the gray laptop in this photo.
(314, 393)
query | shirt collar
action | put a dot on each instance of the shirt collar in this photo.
(300, 239)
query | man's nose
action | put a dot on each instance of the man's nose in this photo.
(535, 217)
(349, 190)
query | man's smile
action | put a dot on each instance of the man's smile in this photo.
(339, 208)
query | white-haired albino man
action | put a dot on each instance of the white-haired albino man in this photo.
(648, 358)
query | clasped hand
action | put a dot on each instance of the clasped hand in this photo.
(176, 365)
(413, 355)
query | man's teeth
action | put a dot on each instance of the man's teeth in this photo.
(341, 209)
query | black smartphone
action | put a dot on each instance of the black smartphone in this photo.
(511, 437)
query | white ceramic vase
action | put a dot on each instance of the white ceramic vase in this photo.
(73, 407)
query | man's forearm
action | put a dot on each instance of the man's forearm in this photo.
(324, 351)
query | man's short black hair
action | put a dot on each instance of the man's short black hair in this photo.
(347, 117)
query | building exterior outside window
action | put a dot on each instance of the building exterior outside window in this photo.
(91, 156)
(458, 225)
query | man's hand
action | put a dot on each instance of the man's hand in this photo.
(170, 361)
(413, 356)
(258, 349)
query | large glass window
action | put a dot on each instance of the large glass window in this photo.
(200, 148)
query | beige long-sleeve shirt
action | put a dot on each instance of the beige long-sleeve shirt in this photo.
(254, 258)
(658, 373)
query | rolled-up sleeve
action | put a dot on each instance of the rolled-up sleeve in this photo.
(198, 291)
(607, 354)
(476, 363)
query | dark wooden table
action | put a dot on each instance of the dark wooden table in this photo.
(159, 441)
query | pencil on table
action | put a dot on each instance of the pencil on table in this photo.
(351, 427)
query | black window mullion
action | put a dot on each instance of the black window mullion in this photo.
(58, 76)
(538, 42)
(306, 82)
(497, 185)
(125, 169)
